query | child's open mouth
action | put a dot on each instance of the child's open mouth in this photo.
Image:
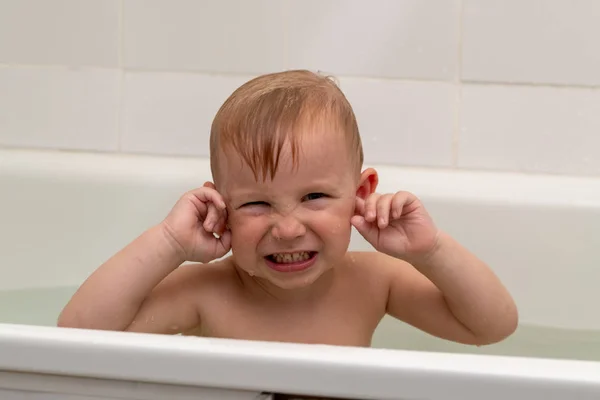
(291, 262)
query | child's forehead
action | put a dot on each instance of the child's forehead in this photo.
(318, 161)
(312, 149)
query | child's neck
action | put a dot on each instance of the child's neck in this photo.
(261, 287)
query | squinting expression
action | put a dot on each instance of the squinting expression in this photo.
(292, 229)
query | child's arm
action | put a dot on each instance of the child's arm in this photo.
(137, 290)
(113, 296)
(449, 293)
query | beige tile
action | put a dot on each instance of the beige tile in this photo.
(404, 123)
(59, 32)
(171, 113)
(534, 129)
(379, 38)
(550, 41)
(213, 36)
(59, 108)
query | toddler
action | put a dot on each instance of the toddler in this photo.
(288, 187)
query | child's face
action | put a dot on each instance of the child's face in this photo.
(303, 213)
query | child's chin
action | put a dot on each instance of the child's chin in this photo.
(284, 281)
(299, 281)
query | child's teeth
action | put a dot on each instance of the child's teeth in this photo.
(291, 257)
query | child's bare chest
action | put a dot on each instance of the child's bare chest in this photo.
(349, 322)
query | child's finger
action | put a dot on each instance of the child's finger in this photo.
(370, 207)
(367, 229)
(383, 210)
(359, 206)
(398, 203)
(221, 224)
(219, 227)
(211, 218)
(209, 195)
(201, 207)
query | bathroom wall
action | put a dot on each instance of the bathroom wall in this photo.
(509, 85)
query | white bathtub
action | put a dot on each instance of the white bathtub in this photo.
(62, 214)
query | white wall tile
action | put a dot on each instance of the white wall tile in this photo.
(404, 123)
(533, 129)
(171, 113)
(550, 41)
(378, 38)
(59, 32)
(59, 108)
(224, 36)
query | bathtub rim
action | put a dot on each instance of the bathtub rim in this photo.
(465, 185)
(287, 367)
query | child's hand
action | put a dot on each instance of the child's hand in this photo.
(396, 224)
(194, 220)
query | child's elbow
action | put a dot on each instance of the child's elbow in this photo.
(511, 320)
(70, 319)
(67, 321)
(503, 327)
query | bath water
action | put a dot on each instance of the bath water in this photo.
(527, 341)
(35, 306)
(41, 306)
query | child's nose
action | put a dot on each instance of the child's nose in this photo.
(288, 228)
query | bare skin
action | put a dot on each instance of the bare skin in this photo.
(417, 273)
(235, 306)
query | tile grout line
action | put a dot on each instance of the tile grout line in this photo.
(533, 84)
(287, 7)
(120, 27)
(513, 84)
(458, 82)
(121, 85)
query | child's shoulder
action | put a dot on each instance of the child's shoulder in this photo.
(368, 276)
(374, 262)
(197, 278)
(375, 267)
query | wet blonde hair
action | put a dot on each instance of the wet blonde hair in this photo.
(267, 112)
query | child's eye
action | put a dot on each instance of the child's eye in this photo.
(314, 196)
(254, 203)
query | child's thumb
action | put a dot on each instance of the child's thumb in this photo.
(366, 229)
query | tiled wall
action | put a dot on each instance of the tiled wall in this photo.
(480, 84)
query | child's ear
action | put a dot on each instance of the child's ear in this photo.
(211, 185)
(367, 184)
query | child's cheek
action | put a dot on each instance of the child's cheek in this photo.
(246, 225)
